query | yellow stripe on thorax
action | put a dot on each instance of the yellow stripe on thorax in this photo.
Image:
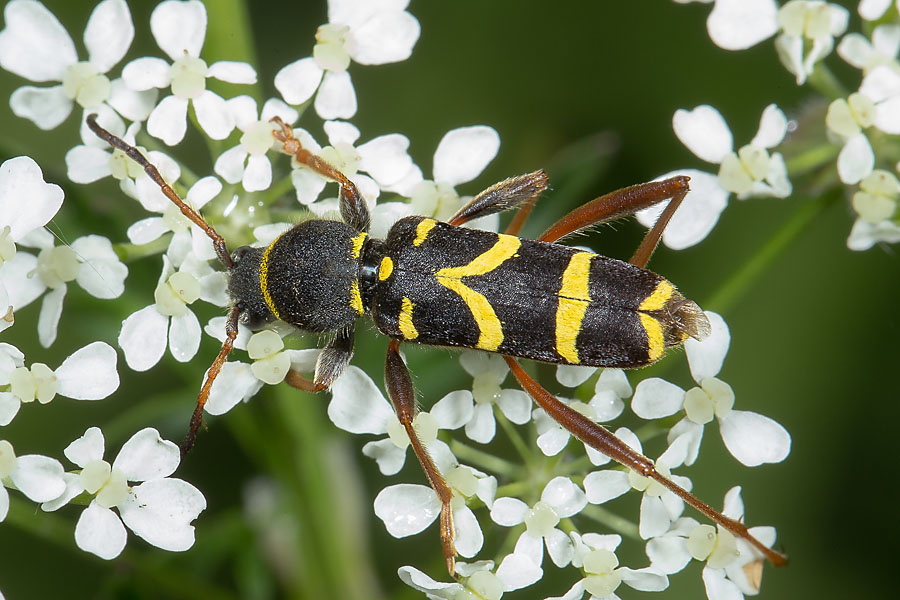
(356, 298)
(573, 302)
(422, 229)
(490, 334)
(655, 301)
(264, 278)
(357, 245)
(385, 268)
(407, 328)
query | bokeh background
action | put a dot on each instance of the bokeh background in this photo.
(585, 90)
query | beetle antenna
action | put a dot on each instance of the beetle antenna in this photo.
(152, 172)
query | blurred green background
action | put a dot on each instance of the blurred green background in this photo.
(585, 90)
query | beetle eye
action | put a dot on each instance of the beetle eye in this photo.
(238, 254)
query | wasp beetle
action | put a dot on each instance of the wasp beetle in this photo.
(441, 284)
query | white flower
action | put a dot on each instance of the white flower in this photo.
(179, 29)
(461, 156)
(159, 510)
(730, 562)
(605, 405)
(407, 509)
(740, 24)
(488, 372)
(595, 555)
(751, 438)
(876, 206)
(358, 406)
(847, 119)
(239, 381)
(872, 10)
(247, 162)
(882, 86)
(87, 374)
(27, 202)
(659, 506)
(560, 499)
(751, 171)
(40, 478)
(809, 29)
(369, 32)
(474, 580)
(35, 46)
(145, 334)
(90, 261)
(857, 50)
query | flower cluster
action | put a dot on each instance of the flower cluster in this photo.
(553, 506)
(861, 122)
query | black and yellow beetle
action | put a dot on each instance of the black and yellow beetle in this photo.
(441, 284)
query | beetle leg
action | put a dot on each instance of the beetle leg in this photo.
(353, 207)
(231, 330)
(400, 390)
(603, 440)
(507, 194)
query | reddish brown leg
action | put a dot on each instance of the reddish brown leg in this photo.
(400, 390)
(231, 329)
(353, 208)
(601, 439)
(295, 379)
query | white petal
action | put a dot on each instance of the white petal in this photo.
(132, 104)
(85, 164)
(654, 517)
(560, 548)
(161, 512)
(213, 116)
(887, 116)
(298, 81)
(168, 121)
(385, 214)
(235, 383)
(754, 439)
(668, 553)
(870, 10)
(704, 131)
(469, 538)
(342, 132)
(880, 84)
(22, 290)
(276, 108)
(357, 405)
(422, 582)
(147, 73)
(146, 456)
(482, 426)
(184, 336)
(385, 158)
(230, 164)
(87, 448)
(772, 128)
(45, 107)
(718, 587)
(517, 571)
(645, 580)
(34, 44)
(99, 531)
(9, 408)
(108, 34)
(179, 27)
(531, 547)
(515, 405)
(696, 216)
(552, 441)
(387, 455)
(603, 486)
(453, 410)
(565, 497)
(40, 478)
(388, 36)
(101, 275)
(73, 489)
(656, 398)
(146, 230)
(48, 319)
(26, 201)
(336, 98)
(706, 357)
(693, 432)
(463, 153)
(258, 175)
(232, 72)
(572, 376)
(89, 373)
(740, 24)
(508, 511)
(407, 509)
(856, 159)
(203, 191)
(143, 338)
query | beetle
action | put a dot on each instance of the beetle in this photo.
(442, 284)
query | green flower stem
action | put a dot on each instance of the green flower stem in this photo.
(524, 450)
(484, 461)
(611, 520)
(735, 286)
(826, 83)
(131, 252)
(811, 159)
(276, 191)
(171, 582)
